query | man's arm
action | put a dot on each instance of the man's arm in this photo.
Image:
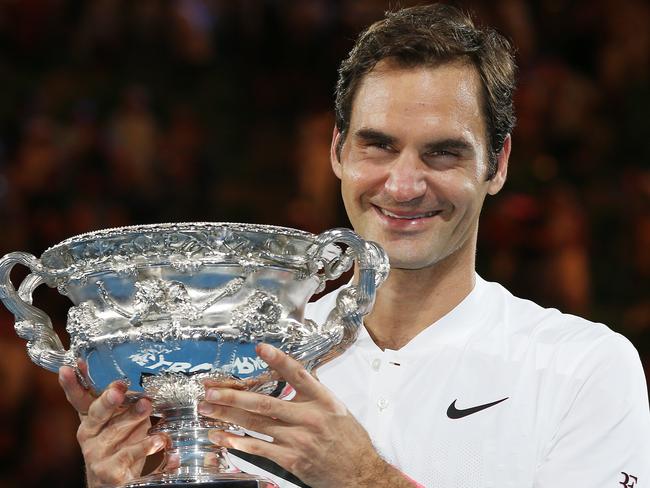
(314, 436)
(603, 438)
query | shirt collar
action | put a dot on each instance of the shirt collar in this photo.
(455, 327)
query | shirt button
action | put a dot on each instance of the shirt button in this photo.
(376, 364)
(382, 403)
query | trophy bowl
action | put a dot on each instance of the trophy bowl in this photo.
(167, 307)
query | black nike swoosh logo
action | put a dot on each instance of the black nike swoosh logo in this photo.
(459, 413)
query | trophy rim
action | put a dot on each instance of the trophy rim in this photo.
(52, 256)
(165, 226)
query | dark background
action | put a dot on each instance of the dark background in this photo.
(115, 112)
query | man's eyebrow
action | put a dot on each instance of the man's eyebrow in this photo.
(448, 145)
(372, 135)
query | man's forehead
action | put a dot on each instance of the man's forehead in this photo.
(446, 81)
(448, 95)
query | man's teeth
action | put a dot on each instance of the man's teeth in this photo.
(409, 217)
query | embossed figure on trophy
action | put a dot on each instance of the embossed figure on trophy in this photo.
(157, 299)
(251, 320)
(261, 318)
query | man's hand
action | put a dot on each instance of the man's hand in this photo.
(113, 436)
(314, 435)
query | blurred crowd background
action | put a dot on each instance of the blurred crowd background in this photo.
(115, 112)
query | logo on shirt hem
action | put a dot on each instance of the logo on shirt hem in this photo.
(629, 481)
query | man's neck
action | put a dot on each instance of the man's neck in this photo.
(409, 301)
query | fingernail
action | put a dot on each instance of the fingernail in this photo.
(212, 395)
(113, 397)
(141, 406)
(266, 352)
(205, 408)
(118, 385)
(216, 436)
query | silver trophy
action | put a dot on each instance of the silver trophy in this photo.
(168, 307)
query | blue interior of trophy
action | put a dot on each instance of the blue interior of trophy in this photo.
(135, 361)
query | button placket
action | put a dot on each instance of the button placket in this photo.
(391, 378)
(376, 381)
(375, 364)
(382, 404)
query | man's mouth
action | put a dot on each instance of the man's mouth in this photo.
(407, 215)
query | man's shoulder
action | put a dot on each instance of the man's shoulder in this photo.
(565, 337)
(521, 315)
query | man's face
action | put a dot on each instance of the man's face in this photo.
(414, 163)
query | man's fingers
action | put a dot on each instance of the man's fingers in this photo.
(276, 453)
(104, 408)
(132, 425)
(292, 371)
(173, 461)
(150, 445)
(127, 426)
(77, 395)
(264, 424)
(216, 399)
(121, 465)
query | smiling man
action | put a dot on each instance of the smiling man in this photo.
(453, 381)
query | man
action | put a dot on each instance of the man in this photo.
(453, 382)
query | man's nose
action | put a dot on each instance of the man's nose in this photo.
(406, 178)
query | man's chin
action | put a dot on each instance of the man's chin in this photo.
(410, 264)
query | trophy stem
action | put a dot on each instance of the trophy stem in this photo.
(191, 459)
(190, 451)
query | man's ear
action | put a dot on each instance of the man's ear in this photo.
(334, 158)
(497, 182)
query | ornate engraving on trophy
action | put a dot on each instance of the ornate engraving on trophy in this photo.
(254, 319)
(177, 389)
(83, 324)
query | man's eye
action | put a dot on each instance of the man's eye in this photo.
(441, 159)
(441, 153)
(380, 145)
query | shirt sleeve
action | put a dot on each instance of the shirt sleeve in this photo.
(603, 438)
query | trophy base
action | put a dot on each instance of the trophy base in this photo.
(191, 460)
(225, 480)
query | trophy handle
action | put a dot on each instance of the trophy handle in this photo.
(32, 324)
(356, 301)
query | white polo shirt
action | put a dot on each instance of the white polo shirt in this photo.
(500, 393)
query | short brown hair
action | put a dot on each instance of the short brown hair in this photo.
(429, 35)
